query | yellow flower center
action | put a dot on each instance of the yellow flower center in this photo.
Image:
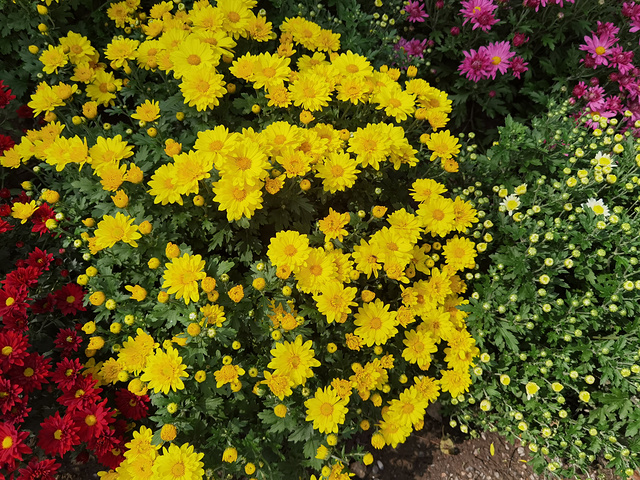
(243, 163)
(216, 145)
(7, 442)
(28, 372)
(496, 60)
(337, 171)
(269, 72)
(6, 351)
(290, 250)
(10, 301)
(418, 347)
(79, 393)
(68, 371)
(326, 409)
(395, 103)
(438, 214)
(90, 420)
(193, 59)
(352, 68)
(178, 469)
(316, 270)
(103, 88)
(71, 299)
(239, 194)
(294, 361)
(233, 17)
(600, 50)
(408, 408)
(477, 9)
(57, 434)
(202, 86)
(375, 323)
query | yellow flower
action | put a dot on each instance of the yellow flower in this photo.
(459, 253)
(371, 144)
(443, 145)
(318, 270)
(310, 91)
(202, 88)
(376, 324)
(113, 229)
(294, 359)
(280, 410)
(23, 211)
(164, 371)
(120, 199)
(120, 50)
(419, 347)
(338, 171)
(229, 455)
(164, 185)
(333, 225)
(228, 374)
(289, 248)
(178, 463)
(182, 275)
(238, 200)
(437, 215)
(148, 111)
(335, 301)
(326, 410)
(137, 292)
(455, 381)
(53, 58)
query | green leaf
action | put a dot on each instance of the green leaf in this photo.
(302, 433)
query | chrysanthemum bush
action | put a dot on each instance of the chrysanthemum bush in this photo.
(499, 58)
(556, 311)
(52, 406)
(274, 257)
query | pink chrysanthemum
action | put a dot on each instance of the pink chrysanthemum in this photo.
(518, 66)
(479, 13)
(416, 12)
(621, 59)
(598, 48)
(476, 64)
(500, 53)
(595, 98)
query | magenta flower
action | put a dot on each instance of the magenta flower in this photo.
(476, 65)
(413, 47)
(479, 13)
(599, 48)
(500, 53)
(621, 59)
(595, 98)
(416, 11)
(518, 66)
(606, 29)
(519, 39)
(579, 90)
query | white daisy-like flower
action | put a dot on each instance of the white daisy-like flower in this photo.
(598, 207)
(511, 203)
(604, 160)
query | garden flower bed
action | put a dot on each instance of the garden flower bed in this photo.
(251, 240)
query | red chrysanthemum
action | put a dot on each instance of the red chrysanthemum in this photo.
(12, 446)
(6, 143)
(19, 412)
(58, 435)
(24, 111)
(69, 299)
(67, 372)
(9, 394)
(33, 374)
(40, 217)
(13, 346)
(109, 448)
(21, 278)
(83, 393)
(13, 301)
(5, 226)
(68, 341)
(40, 259)
(44, 305)
(93, 420)
(5, 210)
(39, 470)
(5, 95)
(131, 405)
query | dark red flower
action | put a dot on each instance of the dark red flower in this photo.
(13, 301)
(44, 305)
(66, 373)
(81, 395)
(5, 95)
(33, 374)
(131, 405)
(58, 435)
(40, 259)
(12, 446)
(5, 193)
(6, 143)
(22, 278)
(68, 340)
(39, 470)
(69, 299)
(22, 198)
(93, 420)
(9, 394)
(13, 347)
(19, 412)
(5, 226)
(109, 448)
(40, 217)
(16, 321)
(5, 210)
(24, 111)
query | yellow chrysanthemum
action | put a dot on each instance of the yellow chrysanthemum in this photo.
(371, 144)
(270, 71)
(191, 54)
(326, 410)
(317, 272)
(237, 200)
(103, 88)
(424, 189)
(465, 215)
(366, 259)
(190, 168)
(114, 229)
(437, 215)
(53, 58)
(148, 111)
(395, 102)
(120, 51)
(335, 301)
(182, 275)
(44, 99)
(419, 347)
(455, 381)
(333, 225)
(338, 172)
(376, 324)
(311, 92)
(134, 352)
(202, 87)
(228, 374)
(289, 248)
(245, 163)
(179, 463)
(164, 185)
(443, 145)
(460, 253)
(164, 371)
(295, 360)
